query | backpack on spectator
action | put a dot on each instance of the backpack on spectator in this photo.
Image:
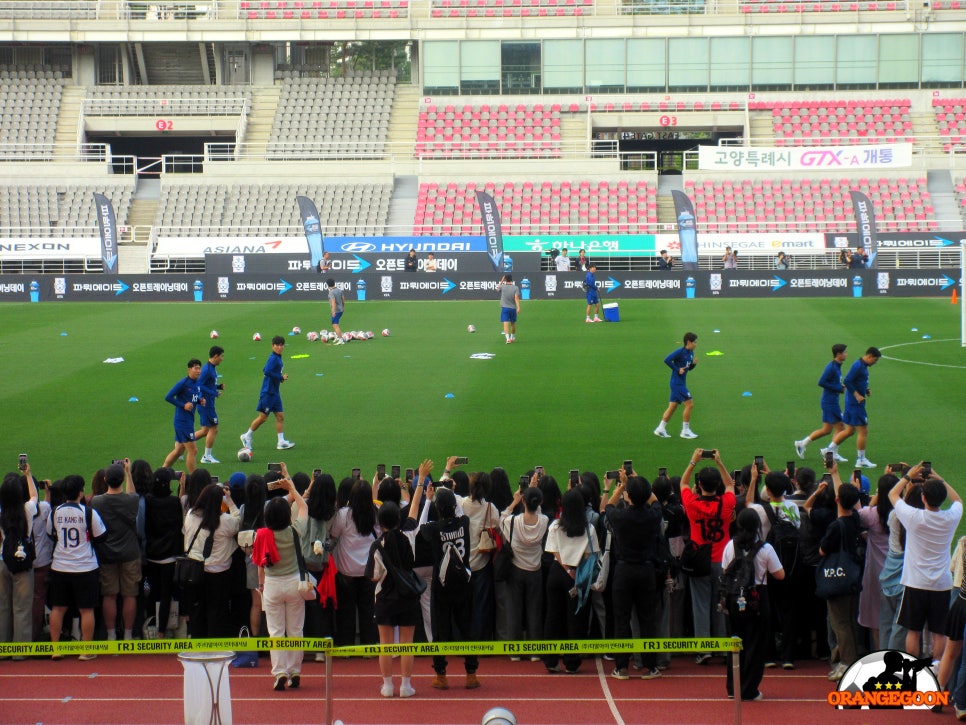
(453, 572)
(739, 591)
(808, 543)
(18, 553)
(785, 539)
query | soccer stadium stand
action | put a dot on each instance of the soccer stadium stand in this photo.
(58, 209)
(28, 110)
(215, 209)
(322, 9)
(558, 207)
(332, 116)
(486, 131)
(763, 203)
(839, 121)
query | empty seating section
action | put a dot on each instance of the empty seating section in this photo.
(839, 122)
(961, 195)
(59, 210)
(77, 9)
(509, 8)
(764, 204)
(537, 207)
(836, 6)
(332, 116)
(951, 121)
(269, 209)
(488, 131)
(181, 100)
(322, 9)
(28, 113)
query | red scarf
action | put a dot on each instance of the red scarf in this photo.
(264, 551)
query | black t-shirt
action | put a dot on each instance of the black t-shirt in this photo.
(636, 529)
(456, 530)
(843, 533)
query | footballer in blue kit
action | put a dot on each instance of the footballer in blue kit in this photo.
(269, 399)
(681, 361)
(832, 388)
(593, 299)
(855, 417)
(185, 397)
(210, 390)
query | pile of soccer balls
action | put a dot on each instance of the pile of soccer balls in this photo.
(329, 336)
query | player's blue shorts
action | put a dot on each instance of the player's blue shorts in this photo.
(336, 317)
(680, 395)
(184, 435)
(208, 417)
(270, 404)
(831, 414)
(592, 298)
(855, 416)
(508, 314)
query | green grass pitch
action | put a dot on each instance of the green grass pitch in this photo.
(566, 395)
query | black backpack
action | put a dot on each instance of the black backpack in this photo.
(18, 554)
(785, 539)
(739, 592)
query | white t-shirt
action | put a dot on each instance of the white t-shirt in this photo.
(527, 540)
(74, 552)
(928, 536)
(352, 551)
(563, 263)
(766, 561)
(784, 510)
(570, 548)
(222, 547)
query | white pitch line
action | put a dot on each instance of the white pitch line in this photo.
(919, 362)
(605, 688)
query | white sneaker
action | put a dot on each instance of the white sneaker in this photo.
(340, 341)
(387, 691)
(688, 434)
(836, 674)
(209, 459)
(597, 319)
(840, 459)
(800, 449)
(407, 691)
(246, 439)
(284, 445)
(661, 433)
(588, 320)
(864, 463)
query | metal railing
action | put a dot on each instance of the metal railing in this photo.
(215, 106)
(25, 151)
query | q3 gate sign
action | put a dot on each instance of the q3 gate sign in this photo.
(534, 285)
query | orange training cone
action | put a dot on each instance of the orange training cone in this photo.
(954, 296)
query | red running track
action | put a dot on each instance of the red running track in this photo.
(147, 690)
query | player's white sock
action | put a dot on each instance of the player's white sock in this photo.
(686, 427)
(588, 318)
(661, 425)
(208, 452)
(281, 437)
(860, 454)
(834, 447)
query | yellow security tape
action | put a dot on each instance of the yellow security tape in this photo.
(450, 649)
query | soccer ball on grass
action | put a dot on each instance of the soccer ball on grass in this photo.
(245, 455)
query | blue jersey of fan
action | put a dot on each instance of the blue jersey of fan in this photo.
(682, 358)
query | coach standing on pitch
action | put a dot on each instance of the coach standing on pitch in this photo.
(509, 307)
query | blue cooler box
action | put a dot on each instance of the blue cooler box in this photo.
(611, 313)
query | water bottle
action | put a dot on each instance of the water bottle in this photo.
(525, 289)
(361, 290)
(689, 288)
(34, 291)
(689, 242)
(199, 290)
(857, 286)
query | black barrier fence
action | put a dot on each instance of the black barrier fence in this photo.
(368, 286)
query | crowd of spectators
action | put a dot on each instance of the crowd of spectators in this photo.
(413, 558)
